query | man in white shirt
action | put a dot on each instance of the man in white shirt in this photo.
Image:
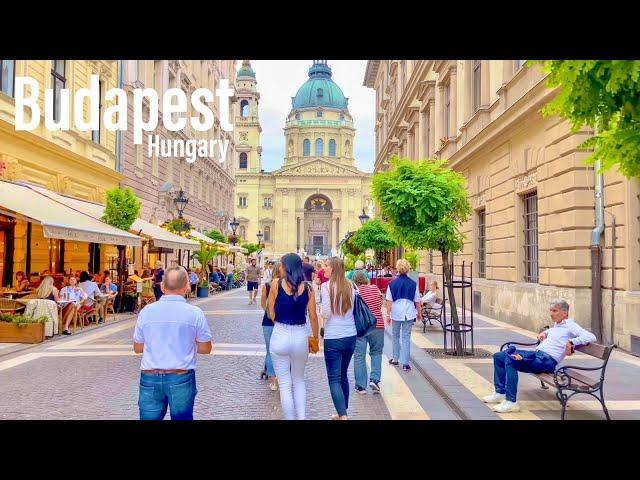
(555, 343)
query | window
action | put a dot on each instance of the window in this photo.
(242, 201)
(243, 160)
(58, 82)
(320, 93)
(243, 232)
(267, 234)
(332, 148)
(481, 243)
(266, 202)
(244, 108)
(95, 134)
(476, 81)
(306, 147)
(531, 237)
(341, 116)
(319, 114)
(297, 116)
(319, 147)
(447, 109)
(7, 76)
(140, 70)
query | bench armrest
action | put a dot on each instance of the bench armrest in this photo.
(563, 378)
(518, 343)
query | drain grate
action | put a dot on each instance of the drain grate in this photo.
(439, 353)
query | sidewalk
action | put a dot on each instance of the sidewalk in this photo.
(466, 380)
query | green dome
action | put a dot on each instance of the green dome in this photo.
(319, 90)
(246, 71)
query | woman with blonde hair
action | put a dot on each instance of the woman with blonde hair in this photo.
(338, 298)
(47, 290)
(403, 301)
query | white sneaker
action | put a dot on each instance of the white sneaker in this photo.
(494, 398)
(506, 407)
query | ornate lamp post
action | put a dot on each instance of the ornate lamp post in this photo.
(181, 202)
(234, 226)
(364, 218)
(259, 235)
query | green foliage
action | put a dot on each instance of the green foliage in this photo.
(350, 248)
(20, 320)
(350, 260)
(205, 255)
(373, 235)
(179, 226)
(251, 247)
(122, 208)
(412, 257)
(424, 202)
(216, 235)
(604, 94)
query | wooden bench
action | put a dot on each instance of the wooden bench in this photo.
(568, 378)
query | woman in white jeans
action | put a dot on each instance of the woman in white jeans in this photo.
(290, 300)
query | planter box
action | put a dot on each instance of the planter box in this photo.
(203, 292)
(29, 333)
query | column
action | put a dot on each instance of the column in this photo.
(336, 234)
(422, 133)
(297, 233)
(485, 94)
(431, 142)
(507, 70)
(467, 91)
(410, 144)
(303, 233)
(453, 117)
(440, 114)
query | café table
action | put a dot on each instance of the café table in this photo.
(14, 294)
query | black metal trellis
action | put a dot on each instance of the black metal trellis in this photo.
(465, 322)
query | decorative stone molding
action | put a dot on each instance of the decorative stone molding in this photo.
(526, 182)
(479, 201)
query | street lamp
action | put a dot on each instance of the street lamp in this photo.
(259, 235)
(364, 218)
(181, 202)
(234, 226)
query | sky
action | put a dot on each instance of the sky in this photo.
(279, 80)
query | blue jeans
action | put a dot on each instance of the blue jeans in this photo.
(402, 340)
(505, 369)
(268, 330)
(337, 355)
(161, 390)
(375, 339)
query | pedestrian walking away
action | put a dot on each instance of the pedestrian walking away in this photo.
(158, 273)
(338, 298)
(403, 301)
(290, 300)
(372, 296)
(253, 280)
(267, 329)
(169, 333)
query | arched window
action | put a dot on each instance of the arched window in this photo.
(332, 148)
(297, 116)
(319, 114)
(319, 147)
(243, 233)
(306, 147)
(320, 93)
(267, 234)
(243, 160)
(244, 108)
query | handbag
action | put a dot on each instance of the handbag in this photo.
(364, 319)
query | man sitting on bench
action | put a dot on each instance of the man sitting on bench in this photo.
(555, 343)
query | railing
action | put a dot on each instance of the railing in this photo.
(318, 249)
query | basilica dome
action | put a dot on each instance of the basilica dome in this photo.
(319, 90)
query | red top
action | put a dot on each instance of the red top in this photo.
(321, 276)
(372, 296)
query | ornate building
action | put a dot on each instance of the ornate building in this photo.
(533, 196)
(314, 199)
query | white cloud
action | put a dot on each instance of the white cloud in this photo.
(279, 80)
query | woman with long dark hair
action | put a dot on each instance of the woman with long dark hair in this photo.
(338, 298)
(290, 300)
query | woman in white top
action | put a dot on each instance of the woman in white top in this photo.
(339, 332)
(429, 298)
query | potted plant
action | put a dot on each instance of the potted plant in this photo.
(203, 288)
(21, 329)
(204, 256)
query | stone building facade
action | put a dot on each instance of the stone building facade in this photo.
(533, 197)
(207, 183)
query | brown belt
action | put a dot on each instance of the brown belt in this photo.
(157, 371)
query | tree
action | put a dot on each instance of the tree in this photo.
(121, 210)
(604, 94)
(251, 247)
(425, 203)
(204, 256)
(216, 235)
(373, 235)
(350, 248)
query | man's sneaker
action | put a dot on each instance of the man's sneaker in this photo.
(375, 386)
(360, 390)
(394, 362)
(494, 398)
(406, 368)
(506, 407)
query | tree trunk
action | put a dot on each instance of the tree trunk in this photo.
(457, 336)
(122, 272)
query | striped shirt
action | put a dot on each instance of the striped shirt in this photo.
(373, 298)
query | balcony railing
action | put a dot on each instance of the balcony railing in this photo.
(318, 249)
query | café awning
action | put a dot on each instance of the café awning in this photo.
(161, 238)
(199, 236)
(58, 220)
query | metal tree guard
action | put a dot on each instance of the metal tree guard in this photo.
(464, 329)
